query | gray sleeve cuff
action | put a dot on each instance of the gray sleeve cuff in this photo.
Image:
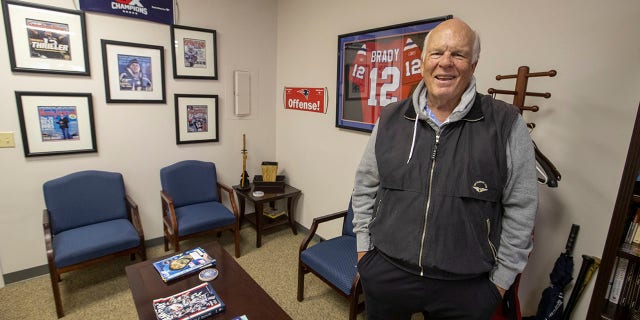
(502, 277)
(363, 242)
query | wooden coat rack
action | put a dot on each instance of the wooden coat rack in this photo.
(550, 175)
(522, 78)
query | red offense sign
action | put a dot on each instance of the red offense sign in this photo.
(305, 99)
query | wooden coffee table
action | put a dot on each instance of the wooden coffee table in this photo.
(240, 293)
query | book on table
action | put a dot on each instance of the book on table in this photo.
(184, 263)
(272, 212)
(199, 302)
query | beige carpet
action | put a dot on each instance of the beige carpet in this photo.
(102, 292)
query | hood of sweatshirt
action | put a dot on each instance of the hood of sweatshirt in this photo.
(419, 99)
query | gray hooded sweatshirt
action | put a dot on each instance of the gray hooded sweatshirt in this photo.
(519, 197)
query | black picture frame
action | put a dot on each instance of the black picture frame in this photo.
(56, 123)
(196, 118)
(194, 53)
(121, 86)
(358, 102)
(45, 39)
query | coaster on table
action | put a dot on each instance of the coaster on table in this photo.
(208, 274)
(258, 193)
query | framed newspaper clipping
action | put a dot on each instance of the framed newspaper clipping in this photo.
(133, 72)
(194, 53)
(377, 67)
(45, 39)
(54, 123)
(196, 118)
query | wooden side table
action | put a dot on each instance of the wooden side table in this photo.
(257, 219)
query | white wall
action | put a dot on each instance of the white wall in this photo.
(584, 128)
(138, 139)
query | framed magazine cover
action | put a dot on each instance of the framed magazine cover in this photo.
(377, 67)
(54, 123)
(194, 53)
(196, 118)
(45, 39)
(133, 72)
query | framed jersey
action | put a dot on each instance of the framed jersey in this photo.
(377, 67)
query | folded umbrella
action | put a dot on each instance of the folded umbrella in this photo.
(552, 301)
(589, 266)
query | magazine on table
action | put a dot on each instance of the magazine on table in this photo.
(196, 303)
(272, 212)
(184, 263)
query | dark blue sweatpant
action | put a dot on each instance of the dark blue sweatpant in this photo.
(392, 293)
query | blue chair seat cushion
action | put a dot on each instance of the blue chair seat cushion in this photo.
(92, 241)
(335, 259)
(203, 216)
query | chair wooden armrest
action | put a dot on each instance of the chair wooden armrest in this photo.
(232, 199)
(316, 222)
(168, 213)
(46, 225)
(134, 216)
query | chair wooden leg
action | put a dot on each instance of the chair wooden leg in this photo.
(176, 244)
(353, 306)
(143, 252)
(166, 242)
(56, 293)
(236, 239)
(300, 282)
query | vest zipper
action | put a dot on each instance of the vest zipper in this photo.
(493, 248)
(434, 152)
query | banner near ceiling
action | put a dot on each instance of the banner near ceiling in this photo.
(153, 10)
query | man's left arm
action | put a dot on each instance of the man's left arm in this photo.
(520, 201)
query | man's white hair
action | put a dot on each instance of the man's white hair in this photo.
(475, 54)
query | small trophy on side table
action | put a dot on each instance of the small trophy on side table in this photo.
(244, 178)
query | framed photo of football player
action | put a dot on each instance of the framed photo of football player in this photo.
(194, 53)
(377, 67)
(54, 123)
(45, 39)
(133, 72)
(196, 118)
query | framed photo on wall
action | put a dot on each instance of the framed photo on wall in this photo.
(377, 67)
(45, 39)
(196, 118)
(133, 72)
(54, 123)
(194, 53)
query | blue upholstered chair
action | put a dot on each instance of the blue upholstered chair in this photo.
(191, 203)
(333, 260)
(88, 219)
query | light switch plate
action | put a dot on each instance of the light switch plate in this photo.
(6, 140)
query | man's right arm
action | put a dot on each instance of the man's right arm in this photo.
(365, 189)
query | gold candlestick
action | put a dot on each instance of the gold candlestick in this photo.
(244, 178)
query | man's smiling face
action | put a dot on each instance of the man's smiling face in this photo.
(448, 64)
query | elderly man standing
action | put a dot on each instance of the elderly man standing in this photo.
(445, 195)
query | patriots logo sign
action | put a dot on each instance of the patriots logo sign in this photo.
(305, 99)
(305, 92)
(131, 2)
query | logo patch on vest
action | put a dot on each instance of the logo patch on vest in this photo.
(480, 186)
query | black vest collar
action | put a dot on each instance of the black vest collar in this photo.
(474, 114)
